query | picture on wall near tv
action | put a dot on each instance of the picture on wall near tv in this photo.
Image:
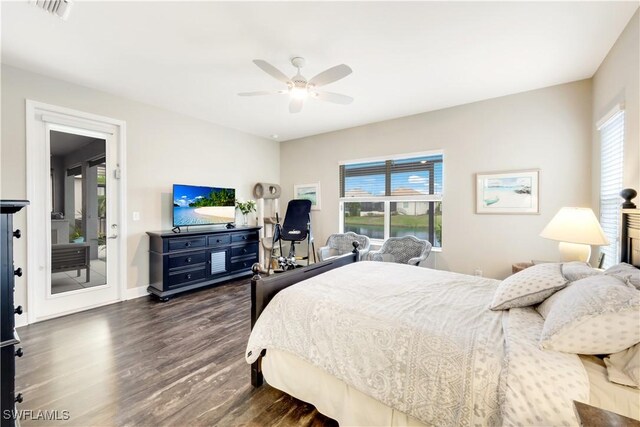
(194, 205)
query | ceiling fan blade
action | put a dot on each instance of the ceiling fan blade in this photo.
(331, 75)
(262, 92)
(271, 70)
(336, 98)
(295, 106)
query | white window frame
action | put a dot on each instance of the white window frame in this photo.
(612, 235)
(388, 199)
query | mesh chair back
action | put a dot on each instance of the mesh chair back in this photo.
(295, 225)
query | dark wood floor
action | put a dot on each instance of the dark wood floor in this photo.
(143, 362)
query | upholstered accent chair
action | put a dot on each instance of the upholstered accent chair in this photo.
(340, 244)
(403, 250)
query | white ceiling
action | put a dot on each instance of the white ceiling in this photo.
(407, 57)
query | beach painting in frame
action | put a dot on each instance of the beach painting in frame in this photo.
(513, 192)
(309, 192)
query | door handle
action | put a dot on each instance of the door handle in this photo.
(114, 229)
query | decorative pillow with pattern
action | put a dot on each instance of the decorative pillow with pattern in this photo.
(625, 272)
(577, 270)
(595, 315)
(624, 367)
(528, 287)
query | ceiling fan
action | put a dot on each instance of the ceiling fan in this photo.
(299, 88)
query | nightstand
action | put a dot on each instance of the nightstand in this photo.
(590, 416)
(519, 266)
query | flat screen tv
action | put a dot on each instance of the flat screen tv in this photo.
(194, 205)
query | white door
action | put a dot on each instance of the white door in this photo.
(75, 225)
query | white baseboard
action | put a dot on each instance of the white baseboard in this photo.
(140, 291)
(22, 320)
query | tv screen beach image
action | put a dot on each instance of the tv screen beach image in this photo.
(193, 205)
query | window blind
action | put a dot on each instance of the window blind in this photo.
(417, 176)
(611, 164)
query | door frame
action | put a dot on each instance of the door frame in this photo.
(36, 113)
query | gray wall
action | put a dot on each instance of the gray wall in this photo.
(549, 129)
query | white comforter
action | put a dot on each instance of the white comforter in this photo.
(424, 342)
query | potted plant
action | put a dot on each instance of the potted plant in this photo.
(76, 235)
(245, 209)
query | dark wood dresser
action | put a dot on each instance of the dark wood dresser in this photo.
(9, 340)
(184, 261)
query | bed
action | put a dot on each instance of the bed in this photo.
(424, 350)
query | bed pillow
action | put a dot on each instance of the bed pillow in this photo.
(626, 272)
(624, 367)
(577, 270)
(528, 287)
(595, 315)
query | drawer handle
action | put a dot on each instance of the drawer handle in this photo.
(188, 244)
(17, 234)
(189, 259)
(18, 310)
(244, 251)
(18, 272)
(19, 352)
(218, 241)
(19, 398)
(244, 237)
(189, 276)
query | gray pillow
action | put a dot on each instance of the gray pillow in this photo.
(577, 270)
(528, 287)
(625, 272)
(595, 315)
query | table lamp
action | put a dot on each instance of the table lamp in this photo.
(576, 229)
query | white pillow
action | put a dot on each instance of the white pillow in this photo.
(528, 287)
(625, 272)
(577, 270)
(624, 367)
(595, 315)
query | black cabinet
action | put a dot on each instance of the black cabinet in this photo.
(180, 262)
(9, 348)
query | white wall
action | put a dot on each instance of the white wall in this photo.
(162, 148)
(618, 81)
(549, 129)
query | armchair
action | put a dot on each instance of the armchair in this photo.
(403, 250)
(340, 244)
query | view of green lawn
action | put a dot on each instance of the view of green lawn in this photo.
(397, 221)
(410, 221)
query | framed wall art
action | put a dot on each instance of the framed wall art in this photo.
(511, 192)
(309, 192)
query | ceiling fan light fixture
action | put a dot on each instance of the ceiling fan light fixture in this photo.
(299, 88)
(298, 92)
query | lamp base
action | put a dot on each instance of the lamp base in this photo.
(574, 252)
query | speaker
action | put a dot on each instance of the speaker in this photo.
(263, 190)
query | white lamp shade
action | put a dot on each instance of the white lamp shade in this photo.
(575, 225)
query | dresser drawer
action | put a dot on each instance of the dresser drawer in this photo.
(176, 261)
(180, 244)
(219, 239)
(249, 249)
(244, 264)
(186, 277)
(245, 237)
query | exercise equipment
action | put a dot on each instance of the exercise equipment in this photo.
(295, 229)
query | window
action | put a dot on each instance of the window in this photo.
(611, 161)
(393, 197)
